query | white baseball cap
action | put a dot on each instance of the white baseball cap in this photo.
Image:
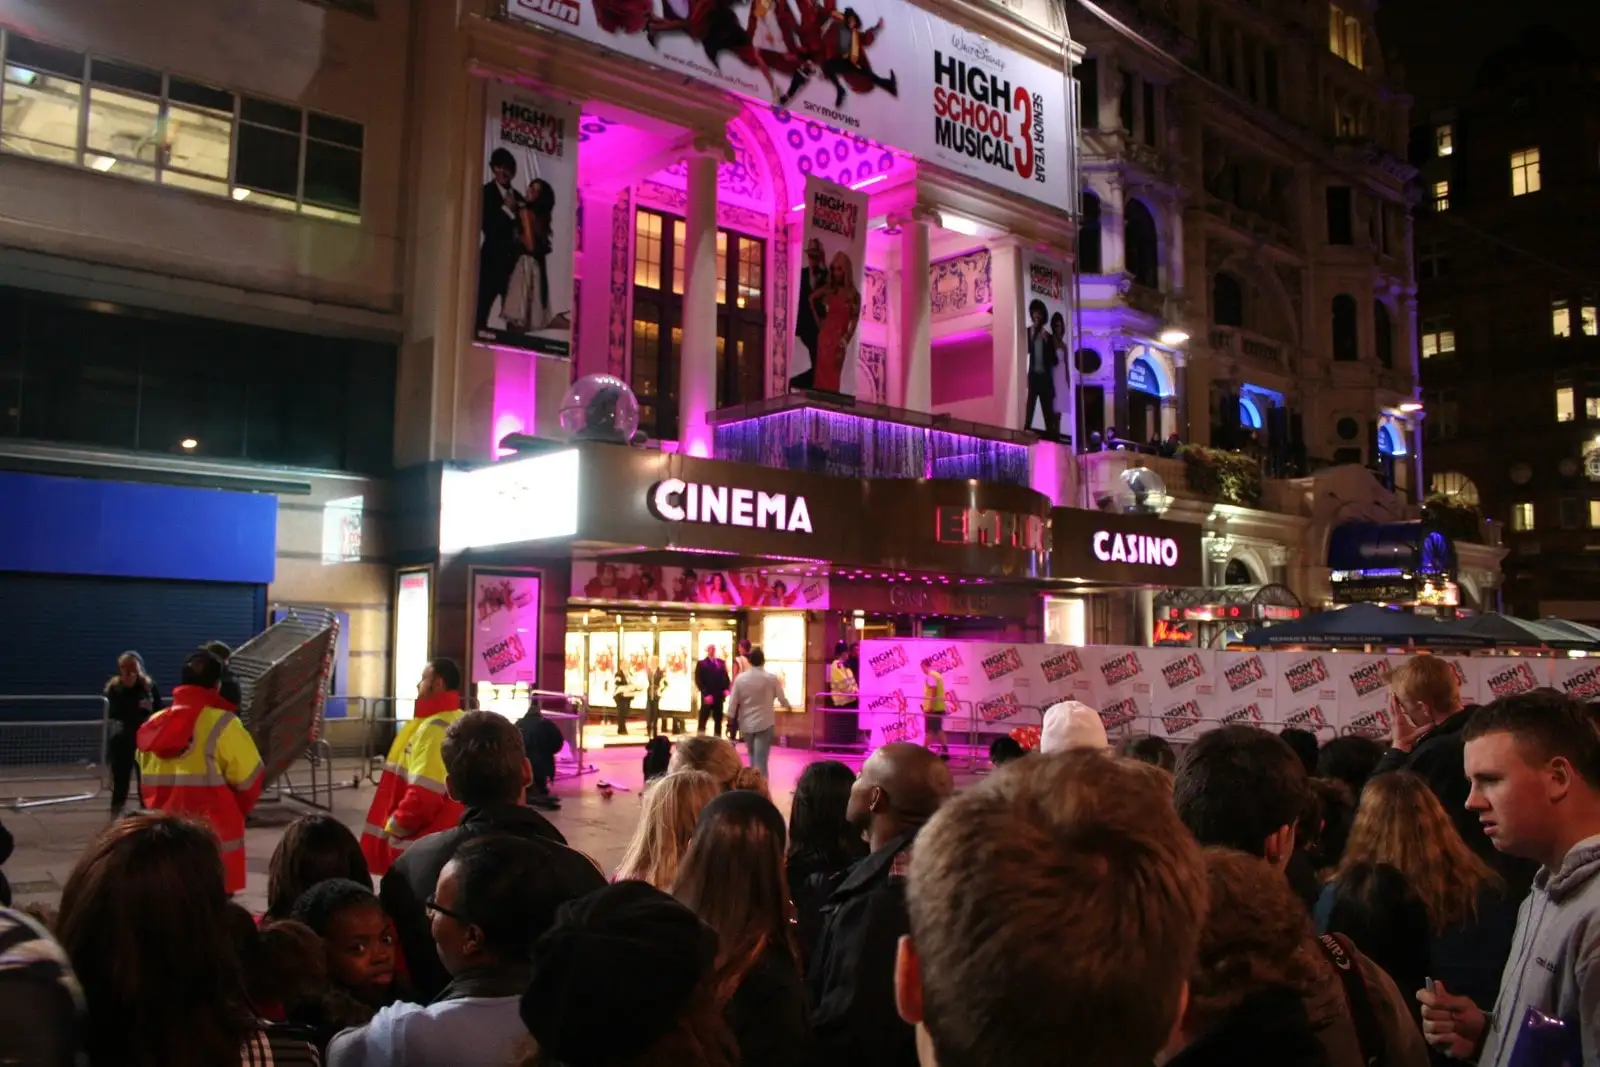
(1069, 725)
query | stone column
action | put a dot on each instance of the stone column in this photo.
(1169, 416)
(914, 385)
(1218, 548)
(1010, 336)
(594, 313)
(697, 368)
(1180, 364)
(1278, 559)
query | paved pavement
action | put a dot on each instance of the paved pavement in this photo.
(50, 839)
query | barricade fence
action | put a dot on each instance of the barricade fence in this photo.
(52, 749)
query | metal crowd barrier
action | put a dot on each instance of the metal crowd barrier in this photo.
(317, 759)
(967, 727)
(56, 752)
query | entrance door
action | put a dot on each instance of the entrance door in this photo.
(1144, 416)
(658, 276)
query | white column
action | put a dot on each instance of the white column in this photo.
(697, 370)
(1010, 337)
(916, 317)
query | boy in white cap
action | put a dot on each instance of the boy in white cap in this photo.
(1071, 725)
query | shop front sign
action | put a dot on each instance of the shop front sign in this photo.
(884, 70)
(1126, 549)
(1113, 547)
(987, 526)
(675, 500)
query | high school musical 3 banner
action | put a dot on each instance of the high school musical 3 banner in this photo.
(833, 250)
(526, 239)
(882, 69)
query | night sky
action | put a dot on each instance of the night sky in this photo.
(1441, 43)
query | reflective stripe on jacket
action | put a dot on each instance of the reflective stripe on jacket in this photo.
(411, 801)
(214, 774)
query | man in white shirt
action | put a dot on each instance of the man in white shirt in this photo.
(750, 705)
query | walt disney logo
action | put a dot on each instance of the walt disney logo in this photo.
(977, 50)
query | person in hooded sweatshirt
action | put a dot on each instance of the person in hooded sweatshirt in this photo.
(1534, 764)
(411, 801)
(197, 759)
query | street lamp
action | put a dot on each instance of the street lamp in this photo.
(1173, 336)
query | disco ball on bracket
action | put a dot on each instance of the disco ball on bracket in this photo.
(600, 407)
(1141, 492)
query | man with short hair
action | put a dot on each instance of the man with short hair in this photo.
(852, 975)
(750, 705)
(486, 771)
(1244, 788)
(1055, 910)
(1534, 765)
(492, 901)
(411, 801)
(197, 759)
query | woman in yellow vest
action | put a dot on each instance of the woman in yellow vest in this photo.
(197, 759)
(411, 801)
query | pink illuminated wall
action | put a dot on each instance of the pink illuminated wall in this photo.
(961, 367)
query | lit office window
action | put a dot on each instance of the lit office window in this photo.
(1594, 514)
(1438, 338)
(132, 122)
(1525, 172)
(1591, 408)
(1444, 139)
(1522, 517)
(1587, 317)
(1441, 196)
(1565, 409)
(1345, 36)
(1560, 317)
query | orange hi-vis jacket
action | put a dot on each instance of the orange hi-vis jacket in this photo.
(411, 801)
(197, 759)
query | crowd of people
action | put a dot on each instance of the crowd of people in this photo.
(1255, 898)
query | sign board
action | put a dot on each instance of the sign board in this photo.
(505, 628)
(1134, 549)
(510, 502)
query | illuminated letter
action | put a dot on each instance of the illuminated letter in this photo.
(691, 496)
(714, 503)
(743, 508)
(799, 518)
(666, 507)
(1100, 553)
(1169, 553)
(770, 506)
(1119, 550)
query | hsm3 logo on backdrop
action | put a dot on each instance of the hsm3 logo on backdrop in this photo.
(675, 500)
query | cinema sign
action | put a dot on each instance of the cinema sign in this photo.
(675, 500)
(1102, 546)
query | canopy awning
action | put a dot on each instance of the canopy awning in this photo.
(1512, 632)
(1364, 624)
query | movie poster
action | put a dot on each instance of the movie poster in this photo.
(833, 251)
(576, 669)
(602, 667)
(878, 70)
(611, 581)
(677, 659)
(505, 628)
(525, 241)
(1049, 359)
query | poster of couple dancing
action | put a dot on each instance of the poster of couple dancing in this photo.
(882, 71)
(828, 293)
(525, 247)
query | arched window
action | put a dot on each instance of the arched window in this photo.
(1383, 333)
(1089, 235)
(1227, 300)
(1238, 573)
(1141, 249)
(1346, 344)
(1456, 487)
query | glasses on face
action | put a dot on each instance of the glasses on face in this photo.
(432, 904)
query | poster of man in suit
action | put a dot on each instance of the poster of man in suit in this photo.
(813, 277)
(525, 250)
(1048, 374)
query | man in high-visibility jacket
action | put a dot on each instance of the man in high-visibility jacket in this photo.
(411, 801)
(197, 759)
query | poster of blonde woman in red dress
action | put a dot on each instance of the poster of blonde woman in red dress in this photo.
(829, 300)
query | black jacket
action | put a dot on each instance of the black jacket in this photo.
(412, 879)
(1376, 908)
(812, 880)
(1269, 1027)
(851, 977)
(131, 706)
(711, 678)
(542, 740)
(768, 1014)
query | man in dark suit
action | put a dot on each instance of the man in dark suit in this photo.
(1042, 361)
(711, 678)
(501, 245)
(813, 276)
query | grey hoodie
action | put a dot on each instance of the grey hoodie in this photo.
(1555, 957)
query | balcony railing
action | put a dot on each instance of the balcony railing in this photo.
(1237, 342)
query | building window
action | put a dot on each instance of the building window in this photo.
(1088, 75)
(1438, 338)
(1340, 229)
(1587, 317)
(1444, 139)
(1441, 196)
(1383, 332)
(1227, 300)
(1444, 414)
(1344, 36)
(1525, 172)
(1346, 343)
(1432, 261)
(131, 122)
(1150, 114)
(1591, 408)
(1565, 411)
(1594, 514)
(1125, 102)
(1141, 248)
(1522, 517)
(1560, 317)
(1571, 513)
(1089, 235)
(1457, 488)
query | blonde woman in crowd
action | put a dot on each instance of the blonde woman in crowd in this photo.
(671, 808)
(718, 758)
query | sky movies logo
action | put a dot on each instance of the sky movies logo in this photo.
(1062, 665)
(1181, 672)
(1121, 668)
(888, 661)
(1184, 717)
(1512, 680)
(1306, 674)
(1002, 663)
(1245, 673)
(1370, 678)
